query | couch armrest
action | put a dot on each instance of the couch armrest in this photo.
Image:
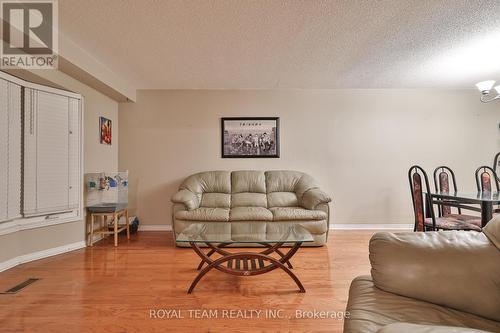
(457, 269)
(187, 198)
(314, 197)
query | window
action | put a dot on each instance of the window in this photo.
(10, 150)
(40, 139)
(52, 155)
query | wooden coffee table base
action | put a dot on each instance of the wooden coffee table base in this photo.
(245, 263)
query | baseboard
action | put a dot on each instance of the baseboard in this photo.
(40, 255)
(372, 226)
(359, 226)
(155, 227)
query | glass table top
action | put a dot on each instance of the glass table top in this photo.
(470, 196)
(241, 232)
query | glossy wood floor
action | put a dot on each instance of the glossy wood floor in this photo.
(107, 289)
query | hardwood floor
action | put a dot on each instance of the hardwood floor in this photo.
(107, 289)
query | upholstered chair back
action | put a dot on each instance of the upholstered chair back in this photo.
(419, 183)
(444, 182)
(485, 177)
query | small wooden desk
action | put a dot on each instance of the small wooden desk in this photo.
(103, 211)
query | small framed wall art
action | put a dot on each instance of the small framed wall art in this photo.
(250, 137)
(105, 127)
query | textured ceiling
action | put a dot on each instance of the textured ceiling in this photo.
(267, 44)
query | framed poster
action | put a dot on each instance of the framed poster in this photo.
(250, 137)
(105, 130)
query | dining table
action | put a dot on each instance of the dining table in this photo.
(485, 200)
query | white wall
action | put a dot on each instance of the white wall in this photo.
(359, 144)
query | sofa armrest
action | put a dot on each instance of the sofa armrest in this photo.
(314, 197)
(187, 198)
(457, 269)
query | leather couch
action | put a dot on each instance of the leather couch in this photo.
(439, 282)
(259, 197)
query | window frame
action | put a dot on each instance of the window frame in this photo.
(48, 219)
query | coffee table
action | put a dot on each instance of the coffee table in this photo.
(218, 236)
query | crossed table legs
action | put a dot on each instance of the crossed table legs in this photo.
(245, 263)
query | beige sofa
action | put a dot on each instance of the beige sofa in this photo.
(259, 197)
(439, 282)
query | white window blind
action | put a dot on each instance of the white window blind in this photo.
(10, 150)
(52, 153)
(74, 163)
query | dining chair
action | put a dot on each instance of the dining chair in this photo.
(442, 184)
(496, 165)
(485, 175)
(419, 183)
(484, 180)
(443, 176)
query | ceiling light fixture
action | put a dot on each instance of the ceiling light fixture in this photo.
(486, 93)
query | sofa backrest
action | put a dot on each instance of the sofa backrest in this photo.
(286, 188)
(248, 188)
(213, 188)
(224, 189)
(457, 269)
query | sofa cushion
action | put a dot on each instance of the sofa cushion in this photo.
(282, 199)
(296, 214)
(208, 182)
(282, 181)
(204, 214)
(371, 308)
(246, 199)
(250, 214)
(248, 181)
(215, 200)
